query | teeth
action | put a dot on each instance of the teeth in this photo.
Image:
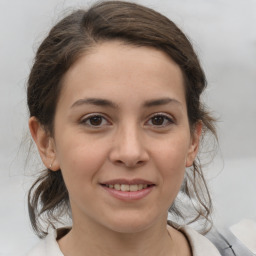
(126, 187)
(134, 187)
(117, 187)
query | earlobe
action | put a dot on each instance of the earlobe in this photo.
(194, 145)
(45, 144)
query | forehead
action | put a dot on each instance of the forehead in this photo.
(126, 68)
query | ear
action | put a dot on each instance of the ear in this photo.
(45, 144)
(194, 144)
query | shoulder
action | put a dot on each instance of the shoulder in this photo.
(199, 244)
(46, 247)
(232, 243)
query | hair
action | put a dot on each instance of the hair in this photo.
(73, 37)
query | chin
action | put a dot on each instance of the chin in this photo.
(129, 228)
(131, 224)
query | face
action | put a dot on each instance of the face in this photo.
(121, 136)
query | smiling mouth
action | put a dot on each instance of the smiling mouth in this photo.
(127, 187)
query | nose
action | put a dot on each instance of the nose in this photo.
(128, 148)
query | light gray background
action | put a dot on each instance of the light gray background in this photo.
(224, 36)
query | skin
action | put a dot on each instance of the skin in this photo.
(143, 132)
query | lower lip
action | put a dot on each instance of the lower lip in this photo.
(129, 195)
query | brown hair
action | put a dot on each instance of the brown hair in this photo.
(66, 42)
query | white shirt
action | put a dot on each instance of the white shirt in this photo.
(200, 245)
(245, 231)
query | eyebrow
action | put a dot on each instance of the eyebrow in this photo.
(160, 102)
(108, 103)
(94, 101)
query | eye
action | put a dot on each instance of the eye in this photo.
(95, 120)
(160, 120)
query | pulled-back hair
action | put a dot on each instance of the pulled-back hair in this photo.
(73, 37)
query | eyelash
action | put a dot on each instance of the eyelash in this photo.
(166, 118)
(90, 117)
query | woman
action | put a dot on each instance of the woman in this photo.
(115, 112)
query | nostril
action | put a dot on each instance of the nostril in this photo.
(130, 164)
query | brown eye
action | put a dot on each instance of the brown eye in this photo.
(160, 120)
(157, 120)
(96, 121)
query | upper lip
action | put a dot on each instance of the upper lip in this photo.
(128, 182)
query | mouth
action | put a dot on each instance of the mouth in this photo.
(128, 190)
(127, 187)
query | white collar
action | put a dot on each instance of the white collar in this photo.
(245, 231)
(200, 245)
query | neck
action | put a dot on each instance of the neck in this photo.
(90, 240)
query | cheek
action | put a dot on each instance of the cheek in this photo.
(172, 155)
(80, 160)
(171, 163)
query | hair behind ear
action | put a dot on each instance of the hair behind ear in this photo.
(47, 195)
